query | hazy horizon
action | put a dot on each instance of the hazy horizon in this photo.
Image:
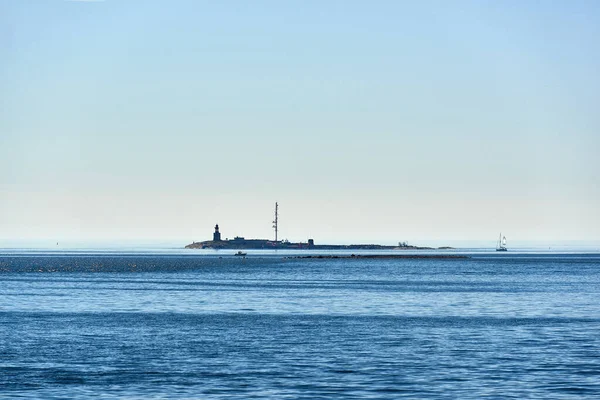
(175, 244)
(379, 121)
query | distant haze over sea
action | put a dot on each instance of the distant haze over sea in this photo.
(141, 245)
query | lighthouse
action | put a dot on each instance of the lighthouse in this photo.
(217, 234)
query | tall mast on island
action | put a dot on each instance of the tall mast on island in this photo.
(276, 220)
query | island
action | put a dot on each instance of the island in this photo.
(383, 256)
(241, 243)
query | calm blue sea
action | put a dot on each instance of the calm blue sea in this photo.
(210, 325)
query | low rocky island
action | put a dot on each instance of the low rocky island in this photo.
(241, 243)
(383, 256)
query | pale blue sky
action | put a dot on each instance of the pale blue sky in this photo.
(367, 120)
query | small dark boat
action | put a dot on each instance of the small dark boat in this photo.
(241, 254)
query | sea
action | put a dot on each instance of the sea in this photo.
(202, 324)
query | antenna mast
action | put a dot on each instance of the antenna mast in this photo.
(276, 220)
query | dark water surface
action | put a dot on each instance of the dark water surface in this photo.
(181, 326)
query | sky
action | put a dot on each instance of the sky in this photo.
(367, 121)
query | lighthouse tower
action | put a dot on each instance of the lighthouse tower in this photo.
(217, 234)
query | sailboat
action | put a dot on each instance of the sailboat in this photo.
(501, 243)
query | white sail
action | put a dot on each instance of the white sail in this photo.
(501, 243)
